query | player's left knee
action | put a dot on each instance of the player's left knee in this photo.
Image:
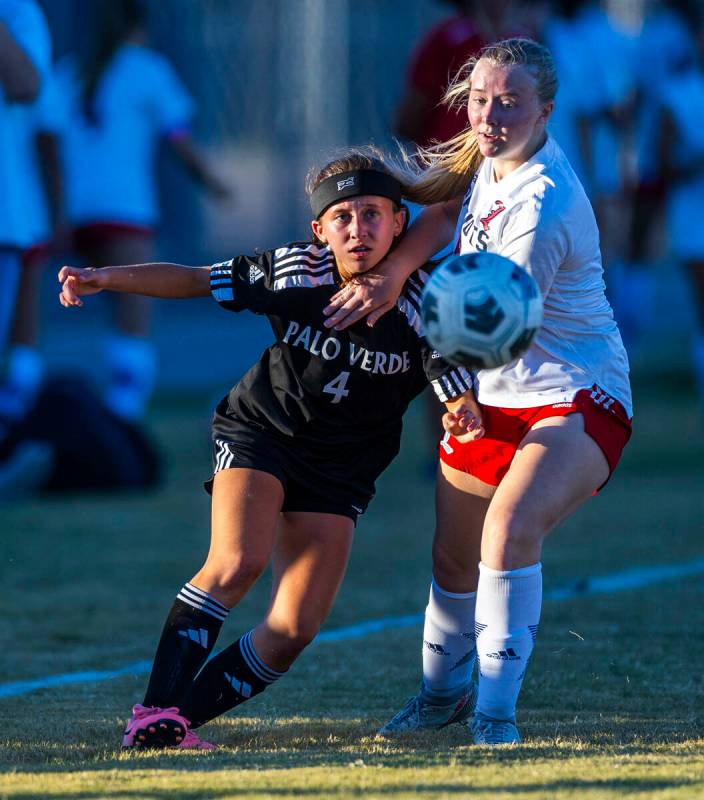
(510, 525)
(512, 538)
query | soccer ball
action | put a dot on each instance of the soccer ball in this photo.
(480, 310)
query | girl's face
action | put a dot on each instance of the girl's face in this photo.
(506, 115)
(359, 231)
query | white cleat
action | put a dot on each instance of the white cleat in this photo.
(420, 714)
(491, 731)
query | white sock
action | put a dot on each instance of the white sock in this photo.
(507, 617)
(449, 652)
(131, 365)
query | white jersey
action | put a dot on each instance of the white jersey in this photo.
(540, 218)
(109, 165)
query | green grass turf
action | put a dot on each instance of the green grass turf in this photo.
(612, 706)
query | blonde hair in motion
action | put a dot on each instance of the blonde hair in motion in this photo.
(446, 169)
(416, 183)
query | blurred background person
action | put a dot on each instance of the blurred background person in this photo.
(421, 118)
(25, 57)
(594, 63)
(681, 164)
(123, 99)
(666, 42)
(25, 365)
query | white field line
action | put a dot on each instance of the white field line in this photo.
(617, 582)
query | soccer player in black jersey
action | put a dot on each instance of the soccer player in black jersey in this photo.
(298, 442)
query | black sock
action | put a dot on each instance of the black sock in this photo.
(187, 640)
(228, 679)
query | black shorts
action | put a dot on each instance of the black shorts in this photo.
(254, 448)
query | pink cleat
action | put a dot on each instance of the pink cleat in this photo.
(152, 727)
(193, 742)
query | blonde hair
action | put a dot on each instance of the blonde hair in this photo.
(446, 169)
(417, 182)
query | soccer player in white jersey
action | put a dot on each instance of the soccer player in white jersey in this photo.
(298, 442)
(555, 420)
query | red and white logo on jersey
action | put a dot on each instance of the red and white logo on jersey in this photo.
(494, 212)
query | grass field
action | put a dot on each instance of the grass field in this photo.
(613, 705)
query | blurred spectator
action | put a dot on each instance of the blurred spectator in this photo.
(421, 117)
(665, 43)
(594, 101)
(681, 148)
(122, 99)
(43, 196)
(25, 56)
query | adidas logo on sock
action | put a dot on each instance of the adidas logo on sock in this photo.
(438, 649)
(198, 636)
(504, 655)
(241, 687)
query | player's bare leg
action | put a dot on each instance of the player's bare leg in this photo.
(461, 504)
(556, 468)
(245, 511)
(309, 563)
(245, 515)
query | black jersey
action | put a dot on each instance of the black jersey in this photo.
(321, 385)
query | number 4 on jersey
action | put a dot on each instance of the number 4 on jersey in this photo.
(337, 386)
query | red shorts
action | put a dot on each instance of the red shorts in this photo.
(36, 255)
(489, 458)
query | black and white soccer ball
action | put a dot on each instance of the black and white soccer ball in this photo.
(481, 310)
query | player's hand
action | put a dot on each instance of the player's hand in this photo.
(76, 283)
(370, 295)
(464, 423)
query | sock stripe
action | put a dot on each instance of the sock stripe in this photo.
(201, 605)
(258, 667)
(206, 596)
(205, 603)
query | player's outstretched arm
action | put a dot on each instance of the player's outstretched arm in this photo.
(463, 418)
(170, 281)
(373, 294)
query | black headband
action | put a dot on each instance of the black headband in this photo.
(353, 184)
